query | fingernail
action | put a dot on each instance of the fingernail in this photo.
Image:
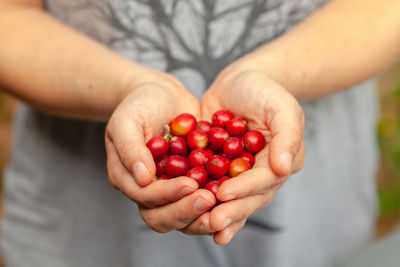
(201, 205)
(230, 197)
(286, 160)
(186, 191)
(139, 170)
(226, 223)
(202, 228)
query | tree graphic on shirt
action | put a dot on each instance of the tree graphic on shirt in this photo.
(165, 36)
(152, 30)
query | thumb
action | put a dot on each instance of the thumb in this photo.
(129, 142)
(287, 128)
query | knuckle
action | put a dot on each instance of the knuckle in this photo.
(183, 218)
(294, 142)
(131, 193)
(300, 165)
(268, 198)
(189, 230)
(143, 198)
(153, 221)
(265, 201)
(295, 137)
(276, 185)
(140, 199)
(125, 154)
(299, 161)
(112, 178)
(147, 203)
(111, 174)
(160, 229)
(112, 183)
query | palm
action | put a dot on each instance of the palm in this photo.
(247, 97)
(156, 107)
(266, 106)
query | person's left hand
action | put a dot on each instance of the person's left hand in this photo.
(272, 110)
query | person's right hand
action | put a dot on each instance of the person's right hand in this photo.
(269, 108)
(164, 205)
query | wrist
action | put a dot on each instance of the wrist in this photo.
(140, 76)
(265, 63)
(272, 63)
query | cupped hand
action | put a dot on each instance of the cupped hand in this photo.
(269, 108)
(164, 205)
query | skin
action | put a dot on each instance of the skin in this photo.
(112, 90)
(361, 44)
(269, 80)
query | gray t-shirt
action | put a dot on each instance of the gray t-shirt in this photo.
(60, 210)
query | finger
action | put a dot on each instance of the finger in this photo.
(225, 236)
(157, 193)
(287, 129)
(236, 210)
(113, 162)
(179, 214)
(201, 226)
(128, 139)
(257, 180)
(299, 160)
(252, 182)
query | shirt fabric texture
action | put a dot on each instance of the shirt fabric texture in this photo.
(60, 210)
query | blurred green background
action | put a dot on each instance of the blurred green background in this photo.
(388, 136)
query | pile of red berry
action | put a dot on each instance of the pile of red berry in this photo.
(208, 153)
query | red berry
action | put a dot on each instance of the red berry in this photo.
(158, 147)
(254, 141)
(233, 147)
(216, 166)
(177, 146)
(183, 124)
(213, 186)
(238, 166)
(176, 166)
(237, 127)
(197, 139)
(160, 166)
(216, 138)
(221, 118)
(249, 157)
(204, 126)
(223, 179)
(199, 175)
(228, 160)
(198, 157)
(209, 152)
